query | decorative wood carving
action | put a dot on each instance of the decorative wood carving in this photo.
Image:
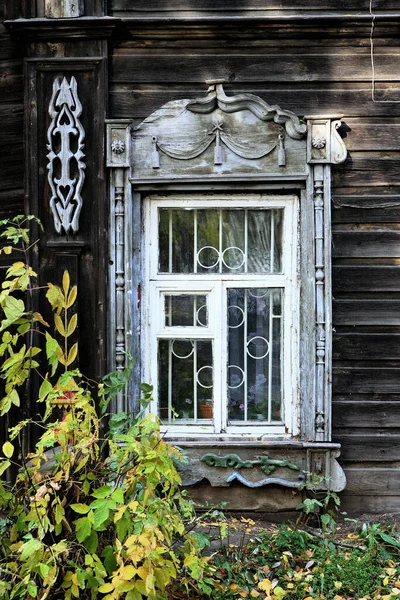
(231, 139)
(267, 465)
(319, 301)
(120, 270)
(216, 98)
(219, 134)
(338, 147)
(235, 476)
(64, 134)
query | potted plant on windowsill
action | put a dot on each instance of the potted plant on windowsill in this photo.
(206, 408)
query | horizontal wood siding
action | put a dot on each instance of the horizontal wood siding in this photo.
(11, 129)
(327, 70)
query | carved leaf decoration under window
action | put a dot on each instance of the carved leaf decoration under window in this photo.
(66, 166)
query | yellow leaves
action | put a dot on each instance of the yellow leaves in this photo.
(72, 354)
(59, 325)
(265, 585)
(8, 449)
(338, 584)
(72, 325)
(65, 282)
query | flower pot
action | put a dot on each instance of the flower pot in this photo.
(206, 411)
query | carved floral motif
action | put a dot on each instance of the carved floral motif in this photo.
(318, 141)
(118, 146)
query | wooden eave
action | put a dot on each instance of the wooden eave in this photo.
(61, 29)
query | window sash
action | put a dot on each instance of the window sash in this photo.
(215, 287)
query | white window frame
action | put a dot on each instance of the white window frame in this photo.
(155, 285)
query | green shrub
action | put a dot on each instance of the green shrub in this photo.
(87, 517)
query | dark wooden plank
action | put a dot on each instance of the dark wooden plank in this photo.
(366, 312)
(374, 481)
(367, 208)
(270, 66)
(238, 5)
(374, 415)
(366, 134)
(138, 101)
(368, 448)
(368, 169)
(366, 346)
(11, 202)
(365, 503)
(366, 381)
(9, 46)
(366, 278)
(366, 242)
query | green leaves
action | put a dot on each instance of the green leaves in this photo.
(82, 509)
(83, 528)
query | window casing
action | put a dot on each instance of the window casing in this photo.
(221, 313)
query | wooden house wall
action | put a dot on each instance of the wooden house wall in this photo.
(308, 68)
(291, 55)
(11, 123)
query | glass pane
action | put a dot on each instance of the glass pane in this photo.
(220, 241)
(176, 240)
(185, 380)
(254, 354)
(233, 242)
(185, 310)
(208, 241)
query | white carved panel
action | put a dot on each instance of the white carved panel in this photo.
(66, 166)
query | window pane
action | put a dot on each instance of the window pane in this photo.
(254, 354)
(176, 241)
(220, 241)
(185, 310)
(185, 380)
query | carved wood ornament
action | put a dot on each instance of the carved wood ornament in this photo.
(234, 141)
(66, 166)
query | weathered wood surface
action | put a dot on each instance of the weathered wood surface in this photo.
(308, 69)
(367, 380)
(364, 312)
(11, 130)
(369, 448)
(367, 346)
(240, 5)
(373, 415)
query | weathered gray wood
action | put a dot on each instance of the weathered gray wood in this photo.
(374, 415)
(269, 67)
(373, 481)
(369, 503)
(354, 206)
(368, 169)
(362, 241)
(368, 448)
(367, 346)
(238, 5)
(366, 278)
(380, 133)
(137, 100)
(384, 381)
(366, 312)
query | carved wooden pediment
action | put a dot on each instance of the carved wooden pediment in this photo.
(219, 135)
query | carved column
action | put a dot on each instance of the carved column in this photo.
(118, 162)
(319, 302)
(324, 148)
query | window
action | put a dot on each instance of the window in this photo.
(221, 299)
